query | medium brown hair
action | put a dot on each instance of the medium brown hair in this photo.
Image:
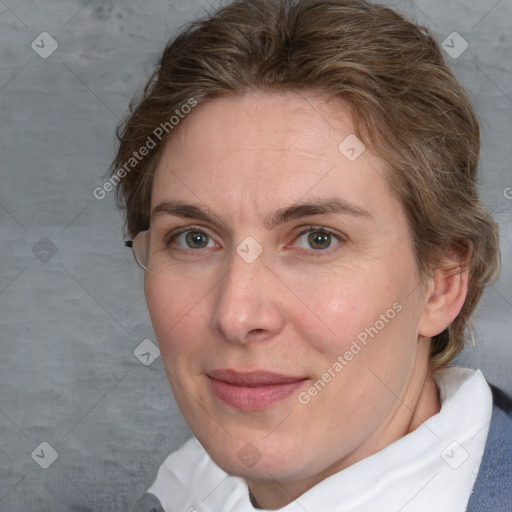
(407, 107)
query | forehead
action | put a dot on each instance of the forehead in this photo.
(266, 150)
(286, 122)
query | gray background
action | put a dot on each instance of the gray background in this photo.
(70, 321)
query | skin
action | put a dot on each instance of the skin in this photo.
(288, 311)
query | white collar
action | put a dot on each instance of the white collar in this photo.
(431, 469)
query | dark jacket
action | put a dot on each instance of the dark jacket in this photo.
(492, 491)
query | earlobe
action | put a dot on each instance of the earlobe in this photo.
(445, 296)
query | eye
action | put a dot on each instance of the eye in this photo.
(187, 239)
(318, 238)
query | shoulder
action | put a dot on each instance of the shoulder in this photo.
(500, 429)
(181, 475)
(502, 401)
(493, 486)
(178, 468)
(148, 502)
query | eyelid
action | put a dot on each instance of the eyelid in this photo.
(313, 227)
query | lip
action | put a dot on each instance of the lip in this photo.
(254, 390)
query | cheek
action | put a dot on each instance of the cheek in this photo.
(339, 307)
(176, 313)
(161, 310)
(367, 317)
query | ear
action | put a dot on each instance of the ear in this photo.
(446, 292)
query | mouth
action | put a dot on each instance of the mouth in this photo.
(255, 390)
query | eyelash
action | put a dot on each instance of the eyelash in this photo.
(311, 228)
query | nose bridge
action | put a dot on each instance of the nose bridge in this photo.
(244, 297)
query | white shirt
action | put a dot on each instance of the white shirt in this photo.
(432, 469)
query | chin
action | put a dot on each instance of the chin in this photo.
(263, 463)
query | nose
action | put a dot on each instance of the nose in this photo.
(247, 302)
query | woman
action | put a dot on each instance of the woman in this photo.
(299, 181)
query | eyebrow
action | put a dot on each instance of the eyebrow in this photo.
(324, 206)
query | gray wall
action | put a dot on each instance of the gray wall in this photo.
(72, 310)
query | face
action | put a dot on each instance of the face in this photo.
(290, 341)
